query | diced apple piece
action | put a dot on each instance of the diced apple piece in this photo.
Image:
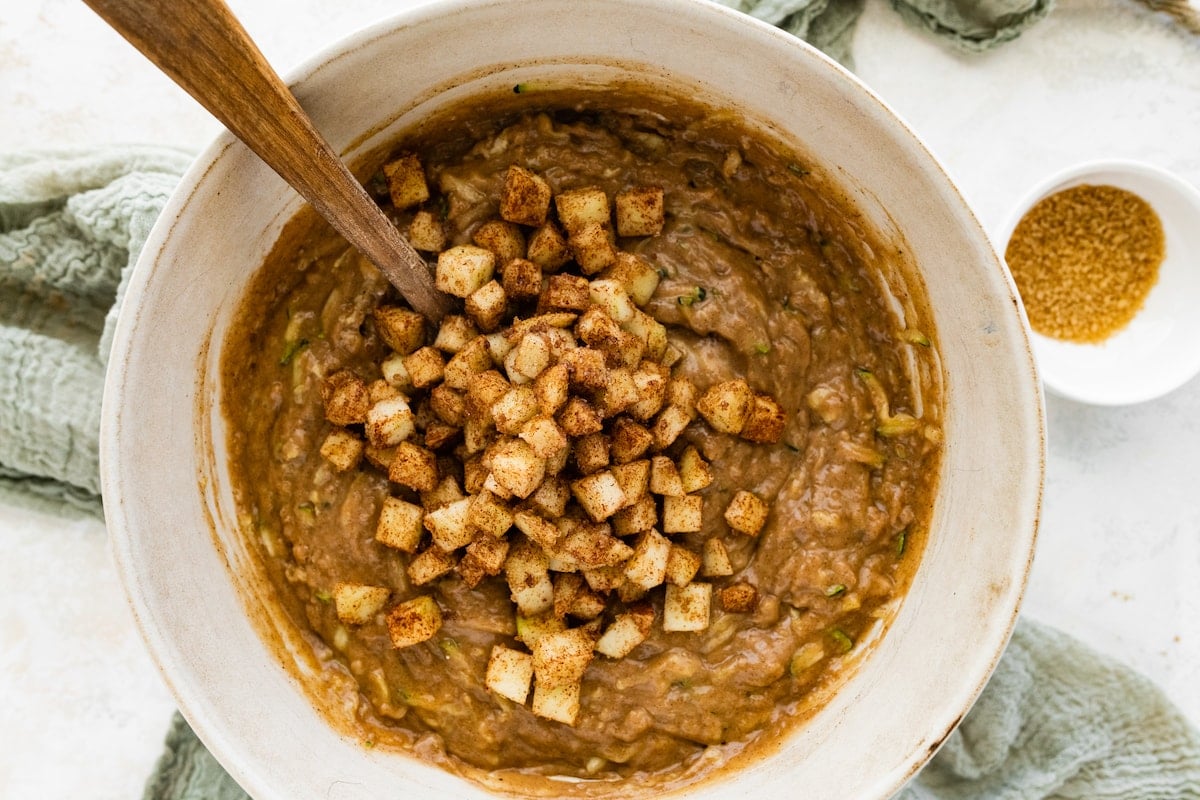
(630, 440)
(532, 628)
(739, 598)
(586, 367)
(509, 673)
(638, 277)
(449, 405)
(445, 493)
(647, 567)
(484, 556)
(567, 586)
(694, 472)
(539, 530)
(641, 516)
(518, 406)
(630, 351)
(389, 422)
(682, 514)
(490, 484)
(580, 207)
(682, 565)
(528, 358)
(557, 462)
(594, 546)
(527, 572)
(651, 333)
(475, 472)
(588, 605)
(345, 397)
(400, 524)
(487, 304)
(342, 449)
(619, 392)
(517, 468)
(401, 329)
(468, 363)
(483, 392)
(455, 333)
(599, 494)
(429, 565)
(726, 406)
(489, 515)
(498, 346)
(448, 525)
(562, 657)
(671, 422)
(521, 279)
(380, 390)
(548, 248)
(683, 393)
(598, 330)
(525, 197)
(406, 181)
(413, 466)
(687, 608)
(611, 296)
(426, 233)
(626, 632)
(605, 579)
(592, 247)
(379, 457)
(357, 604)
(591, 453)
(414, 621)
(664, 477)
(634, 479)
(393, 371)
(463, 269)
(566, 293)
(551, 498)
(652, 388)
(552, 386)
(559, 703)
(640, 211)
(425, 367)
(438, 434)
(765, 421)
(501, 237)
(746, 513)
(544, 436)
(715, 561)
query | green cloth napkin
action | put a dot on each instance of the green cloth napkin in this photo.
(1055, 720)
(71, 224)
(969, 26)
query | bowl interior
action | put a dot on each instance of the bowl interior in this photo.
(1160, 348)
(192, 580)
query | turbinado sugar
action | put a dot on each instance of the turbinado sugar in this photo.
(1084, 260)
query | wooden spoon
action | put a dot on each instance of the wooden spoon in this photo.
(201, 46)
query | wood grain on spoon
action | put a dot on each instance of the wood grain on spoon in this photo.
(202, 47)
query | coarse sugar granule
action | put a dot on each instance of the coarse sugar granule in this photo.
(1084, 260)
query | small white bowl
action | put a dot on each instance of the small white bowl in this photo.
(1159, 350)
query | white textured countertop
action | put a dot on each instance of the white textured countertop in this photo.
(82, 709)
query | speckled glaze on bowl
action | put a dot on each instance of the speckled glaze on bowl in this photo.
(189, 576)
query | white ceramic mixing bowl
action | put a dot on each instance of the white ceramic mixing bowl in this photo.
(171, 514)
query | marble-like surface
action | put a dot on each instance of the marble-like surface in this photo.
(82, 708)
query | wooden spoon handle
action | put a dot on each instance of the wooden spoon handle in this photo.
(204, 49)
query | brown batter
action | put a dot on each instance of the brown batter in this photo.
(766, 275)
